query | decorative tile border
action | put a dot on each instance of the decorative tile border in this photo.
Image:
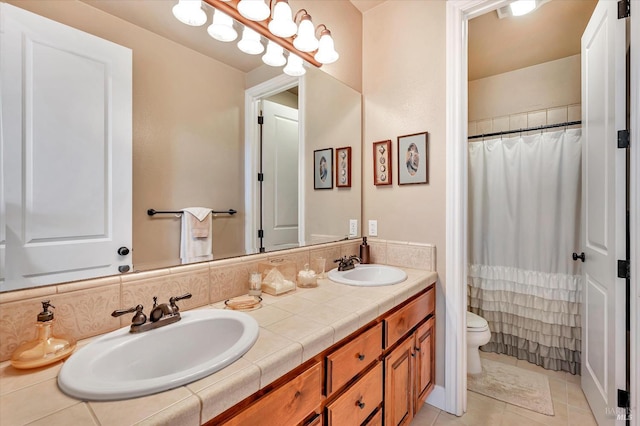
(83, 308)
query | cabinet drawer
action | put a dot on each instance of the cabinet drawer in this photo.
(398, 323)
(358, 401)
(287, 405)
(343, 364)
(376, 419)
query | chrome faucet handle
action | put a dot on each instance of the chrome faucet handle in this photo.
(174, 299)
(138, 319)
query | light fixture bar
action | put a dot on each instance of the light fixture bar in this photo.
(230, 8)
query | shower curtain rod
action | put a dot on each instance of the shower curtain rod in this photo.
(530, 129)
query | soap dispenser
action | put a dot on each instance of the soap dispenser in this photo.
(47, 348)
(364, 251)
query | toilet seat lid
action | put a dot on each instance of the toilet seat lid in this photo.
(475, 321)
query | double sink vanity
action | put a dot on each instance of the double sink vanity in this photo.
(357, 349)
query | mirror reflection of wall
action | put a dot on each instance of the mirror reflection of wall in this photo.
(188, 132)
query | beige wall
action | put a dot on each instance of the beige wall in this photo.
(404, 92)
(187, 115)
(543, 86)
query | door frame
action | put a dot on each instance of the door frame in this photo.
(252, 98)
(458, 12)
(634, 215)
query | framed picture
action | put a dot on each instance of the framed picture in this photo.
(323, 168)
(413, 159)
(382, 163)
(343, 167)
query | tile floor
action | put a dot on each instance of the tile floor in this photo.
(569, 404)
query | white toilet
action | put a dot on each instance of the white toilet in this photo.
(478, 334)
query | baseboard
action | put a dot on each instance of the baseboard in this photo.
(436, 397)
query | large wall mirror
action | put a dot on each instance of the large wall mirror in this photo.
(191, 96)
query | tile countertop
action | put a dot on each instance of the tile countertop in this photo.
(293, 328)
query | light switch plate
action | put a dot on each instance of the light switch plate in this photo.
(373, 228)
(353, 227)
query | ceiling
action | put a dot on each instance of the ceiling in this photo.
(551, 32)
(364, 5)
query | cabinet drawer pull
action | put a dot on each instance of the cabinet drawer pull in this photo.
(360, 404)
(361, 357)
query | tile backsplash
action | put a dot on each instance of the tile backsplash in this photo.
(83, 308)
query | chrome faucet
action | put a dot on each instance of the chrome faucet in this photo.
(160, 315)
(346, 263)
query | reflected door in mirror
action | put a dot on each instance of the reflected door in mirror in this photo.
(66, 116)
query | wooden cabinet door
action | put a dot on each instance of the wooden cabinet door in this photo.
(398, 393)
(424, 362)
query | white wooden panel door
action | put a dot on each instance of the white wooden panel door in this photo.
(66, 115)
(280, 168)
(603, 169)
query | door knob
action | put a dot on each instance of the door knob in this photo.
(577, 256)
(123, 251)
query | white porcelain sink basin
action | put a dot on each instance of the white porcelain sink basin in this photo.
(369, 275)
(122, 365)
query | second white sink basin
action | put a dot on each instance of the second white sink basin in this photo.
(122, 365)
(369, 275)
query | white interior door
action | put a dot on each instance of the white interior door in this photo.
(603, 168)
(280, 167)
(66, 116)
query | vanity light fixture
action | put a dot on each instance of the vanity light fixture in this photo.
(294, 66)
(274, 56)
(326, 53)
(250, 42)
(190, 12)
(298, 36)
(282, 24)
(222, 27)
(255, 10)
(305, 40)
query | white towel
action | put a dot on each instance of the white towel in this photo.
(192, 247)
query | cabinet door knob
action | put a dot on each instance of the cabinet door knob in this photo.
(123, 251)
(360, 404)
(577, 256)
(123, 268)
(417, 349)
(361, 357)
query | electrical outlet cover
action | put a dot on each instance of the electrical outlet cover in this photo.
(373, 228)
(353, 227)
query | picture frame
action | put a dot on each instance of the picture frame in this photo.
(343, 167)
(413, 159)
(382, 170)
(323, 168)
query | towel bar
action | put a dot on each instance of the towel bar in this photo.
(152, 212)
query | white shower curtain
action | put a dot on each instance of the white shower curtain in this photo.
(524, 224)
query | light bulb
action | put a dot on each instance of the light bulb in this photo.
(306, 40)
(250, 42)
(274, 56)
(282, 24)
(255, 10)
(294, 66)
(221, 27)
(522, 7)
(190, 12)
(326, 53)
